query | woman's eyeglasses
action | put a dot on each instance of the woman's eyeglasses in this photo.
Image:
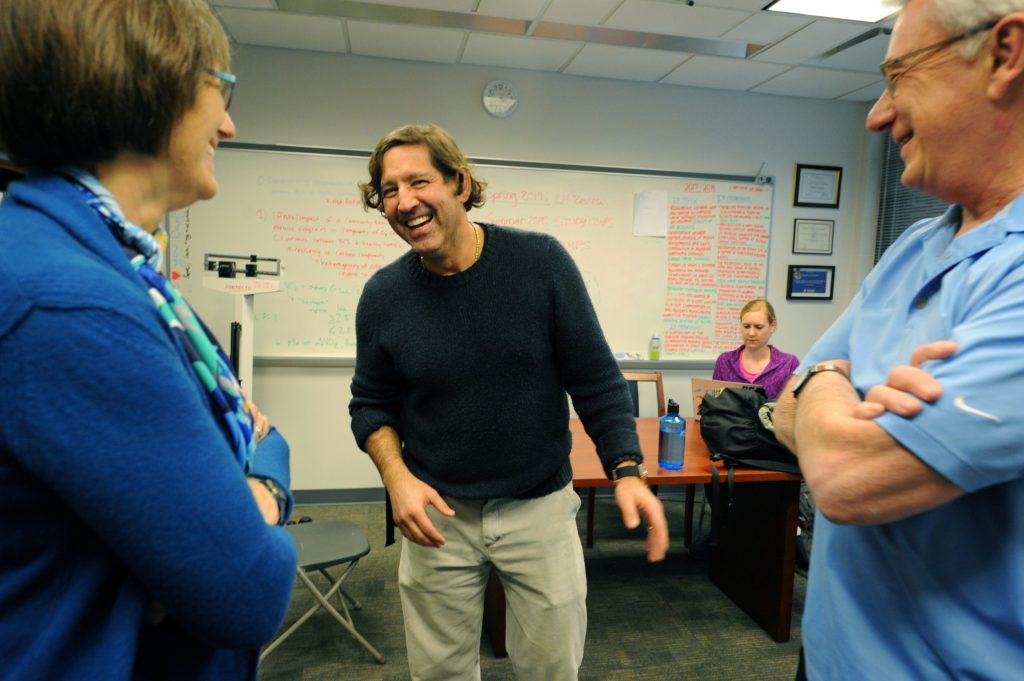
(227, 85)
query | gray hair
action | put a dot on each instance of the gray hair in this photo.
(957, 16)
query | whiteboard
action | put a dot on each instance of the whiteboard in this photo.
(303, 207)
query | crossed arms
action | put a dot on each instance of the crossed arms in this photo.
(860, 474)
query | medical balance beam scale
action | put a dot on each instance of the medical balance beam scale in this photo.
(259, 275)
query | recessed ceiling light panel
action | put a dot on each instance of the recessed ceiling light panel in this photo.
(869, 11)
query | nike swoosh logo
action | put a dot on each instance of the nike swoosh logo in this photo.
(960, 403)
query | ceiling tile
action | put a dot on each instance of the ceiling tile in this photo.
(864, 56)
(652, 16)
(438, 32)
(629, 63)
(723, 73)
(811, 41)
(442, 5)
(280, 29)
(584, 12)
(867, 94)
(488, 49)
(400, 41)
(246, 4)
(513, 9)
(804, 81)
(765, 28)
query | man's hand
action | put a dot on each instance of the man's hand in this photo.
(906, 385)
(410, 497)
(636, 501)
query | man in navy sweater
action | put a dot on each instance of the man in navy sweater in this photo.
(467, 347)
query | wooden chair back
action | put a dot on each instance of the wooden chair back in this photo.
(635, 378)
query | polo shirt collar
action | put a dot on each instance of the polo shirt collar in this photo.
(943, 251)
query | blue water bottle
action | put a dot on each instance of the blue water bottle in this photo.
(672, 438)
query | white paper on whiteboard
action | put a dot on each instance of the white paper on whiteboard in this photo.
(650, 214)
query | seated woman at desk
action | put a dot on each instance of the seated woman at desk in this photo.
(755, 361)
(140, 491)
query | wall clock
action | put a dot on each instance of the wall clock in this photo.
(500, 98)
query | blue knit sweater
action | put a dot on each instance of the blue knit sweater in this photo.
(473, 369)
(118, 489)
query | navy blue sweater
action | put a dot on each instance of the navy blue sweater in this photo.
(472, 370)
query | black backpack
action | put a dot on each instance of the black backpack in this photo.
(734, 423)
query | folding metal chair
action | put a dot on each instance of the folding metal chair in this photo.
(323, 544)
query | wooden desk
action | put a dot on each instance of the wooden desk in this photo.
(587, 470)
(755, 558)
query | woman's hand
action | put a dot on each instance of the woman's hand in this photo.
(265, 501)
(260, 422)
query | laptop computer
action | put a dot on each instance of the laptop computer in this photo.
(699, 386)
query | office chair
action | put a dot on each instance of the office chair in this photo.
(323, 544)
(635, 378)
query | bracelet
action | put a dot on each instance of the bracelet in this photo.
(279, 496)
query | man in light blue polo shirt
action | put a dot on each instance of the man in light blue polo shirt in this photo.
(918, 563)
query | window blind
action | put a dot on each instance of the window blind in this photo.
(899, 207)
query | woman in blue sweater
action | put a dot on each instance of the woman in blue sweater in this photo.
(139, 489)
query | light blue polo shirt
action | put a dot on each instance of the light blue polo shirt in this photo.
(939, 595)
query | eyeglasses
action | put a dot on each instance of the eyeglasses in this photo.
(227, 85)
(894, 68)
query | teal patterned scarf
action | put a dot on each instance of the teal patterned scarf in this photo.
(204, 354)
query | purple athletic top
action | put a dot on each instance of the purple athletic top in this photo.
(774, 377)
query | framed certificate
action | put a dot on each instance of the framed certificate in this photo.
(817, 186)
(813, 236)
(810, 282)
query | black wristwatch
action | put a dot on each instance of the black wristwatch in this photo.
(637, 470)
(817, 369)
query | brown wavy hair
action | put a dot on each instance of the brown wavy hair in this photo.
(445, 155)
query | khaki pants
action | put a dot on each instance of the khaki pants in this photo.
(534, 545)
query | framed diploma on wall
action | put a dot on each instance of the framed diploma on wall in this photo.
(812, 237)
(817, 186)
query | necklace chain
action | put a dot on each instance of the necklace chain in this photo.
(476, 251)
